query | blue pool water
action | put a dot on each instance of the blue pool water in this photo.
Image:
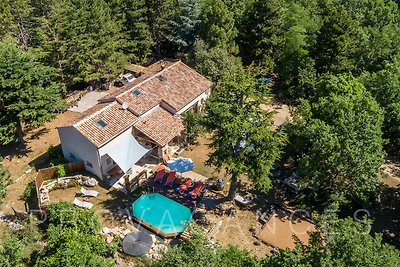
(162, 213)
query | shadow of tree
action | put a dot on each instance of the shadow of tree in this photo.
(53, 156)
(14, 150)
(385, 212)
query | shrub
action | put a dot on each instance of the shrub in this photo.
(61, 172)
(5, 180)
(55, 156)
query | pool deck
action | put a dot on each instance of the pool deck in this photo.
(155, 230)
(171, 193)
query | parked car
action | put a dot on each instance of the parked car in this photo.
(126, 78)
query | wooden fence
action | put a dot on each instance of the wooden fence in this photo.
(51, 173)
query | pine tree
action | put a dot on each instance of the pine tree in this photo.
(29, 94)
(84, 40)
(218, 26)
(136, 29)
(159, 13)
(16, 22)
(337, 42)
(262, 35)
(183, 29)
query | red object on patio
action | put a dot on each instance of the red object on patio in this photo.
(188, 183)
(160, 174)
(199, 187)
(170, 179)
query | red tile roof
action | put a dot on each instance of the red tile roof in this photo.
(176, 85)
(114, 116)
(160, 126)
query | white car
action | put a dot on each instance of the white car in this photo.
(126, 78)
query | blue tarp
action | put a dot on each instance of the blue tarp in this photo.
(180, 164)
(125, 150)
(265, 80)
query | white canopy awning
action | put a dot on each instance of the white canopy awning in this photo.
(125, 150)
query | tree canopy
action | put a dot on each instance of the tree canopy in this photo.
(29, 92)
(243, 140)
(338, 139)
(74, 239)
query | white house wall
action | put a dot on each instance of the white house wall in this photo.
(76, 147)
(103, 152)
(204, 96)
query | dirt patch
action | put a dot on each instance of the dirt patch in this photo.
(391, 169)
(281, 113)
(18, 159)
(280, 228)
(237, 231)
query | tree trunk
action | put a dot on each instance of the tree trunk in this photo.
(20, 133)
(233, 187)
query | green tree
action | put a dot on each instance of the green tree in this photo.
(74, 239)
(196, 252)
(379, 24)
(193, 126)
(214, 63)
(262, 35)
(17, 24)
(29, 93)
(84, 40)
(341, 242)
(183, 29)
(296, 69)
(218, 26)
(19, 248)
(385, 87)
(159, 14)
(338, 139)
(4, 182)
(337, 46)
(136, 29)
(243, 140)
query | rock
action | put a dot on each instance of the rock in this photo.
(109, 238)
(257, 243)
(28, 171)
(106, 230)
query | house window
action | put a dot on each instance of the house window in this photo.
(161, 78)
(89, 164)
(109, 161)
(136, 92)
(102, 123)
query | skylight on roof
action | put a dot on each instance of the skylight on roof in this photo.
(136, 92)
(102, 123)
(161, 78)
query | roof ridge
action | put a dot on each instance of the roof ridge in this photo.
(151, 77)
(89, 116)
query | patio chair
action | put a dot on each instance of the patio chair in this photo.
(185, 186)
(199, 187)
(88, 193)
(159, 176)
(170, 179)
(82, 204)
(241, 200)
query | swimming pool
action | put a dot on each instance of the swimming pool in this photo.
(161, 214)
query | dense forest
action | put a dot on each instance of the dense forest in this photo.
(337, 62)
